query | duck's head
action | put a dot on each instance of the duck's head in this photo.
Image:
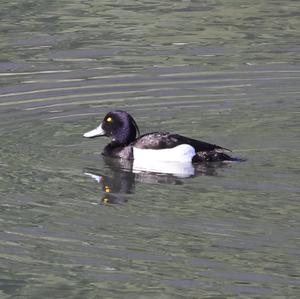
(119, 126)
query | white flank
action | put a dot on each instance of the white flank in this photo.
(180, 153)
(175, 160)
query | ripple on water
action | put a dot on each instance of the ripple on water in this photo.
(229, 230)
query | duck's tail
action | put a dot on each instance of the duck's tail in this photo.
(214, 156)
(217, 147)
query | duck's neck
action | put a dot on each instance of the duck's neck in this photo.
(125, 136)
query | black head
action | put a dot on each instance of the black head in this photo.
(119, 126)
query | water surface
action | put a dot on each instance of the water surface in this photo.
(219, 71)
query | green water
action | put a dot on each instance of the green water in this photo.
(220, 71)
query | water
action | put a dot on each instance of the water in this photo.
(219, 71)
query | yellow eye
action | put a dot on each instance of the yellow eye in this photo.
(107, 189)
(109, 119)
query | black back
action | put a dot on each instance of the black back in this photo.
(163, 140)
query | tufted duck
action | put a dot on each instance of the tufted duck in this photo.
(127, 143)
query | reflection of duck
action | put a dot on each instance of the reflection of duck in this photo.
(112, 193)
(152, 147)
(121, 181)
(116, 186)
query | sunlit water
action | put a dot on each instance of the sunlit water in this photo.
(74, 225)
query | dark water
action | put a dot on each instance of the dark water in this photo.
(220, 71)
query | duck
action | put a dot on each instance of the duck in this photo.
(127, 143)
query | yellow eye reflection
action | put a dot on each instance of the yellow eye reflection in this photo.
(105, 200)
(106, 189)
(109, 119)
